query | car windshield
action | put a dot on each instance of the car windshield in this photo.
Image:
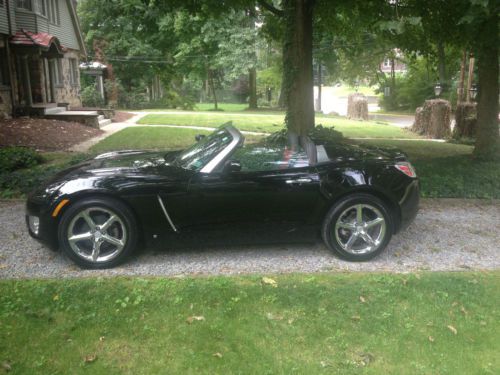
(198, 155)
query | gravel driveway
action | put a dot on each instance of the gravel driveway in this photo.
(447, 235)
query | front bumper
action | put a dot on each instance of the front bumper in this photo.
(47, 229)
(409, 204)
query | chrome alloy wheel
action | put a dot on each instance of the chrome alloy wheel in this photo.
(360, 229)
(97, 234)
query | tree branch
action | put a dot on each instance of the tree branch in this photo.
(271, 8)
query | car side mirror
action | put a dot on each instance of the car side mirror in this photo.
(232, 166)
(199, 137)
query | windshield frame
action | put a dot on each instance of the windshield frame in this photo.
(236, 141)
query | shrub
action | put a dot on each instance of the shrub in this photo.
(172, 100)
(91, 98)
(319, 134)
(14, 157)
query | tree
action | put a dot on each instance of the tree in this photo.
(482, 19)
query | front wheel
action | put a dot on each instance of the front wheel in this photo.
(358, 227)
(98, 233)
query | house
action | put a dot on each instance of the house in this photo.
(40, 50)
(393, 63)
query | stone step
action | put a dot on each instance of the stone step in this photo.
(104, 122)
(100, 117)
(88, 118)
(54, 110)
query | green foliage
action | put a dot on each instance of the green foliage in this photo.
(91, 97)
(319, 134)
(21, 181)
(171, 100)
(307, 324)
(13, 158)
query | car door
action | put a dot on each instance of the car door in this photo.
(278, 189)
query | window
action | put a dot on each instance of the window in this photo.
(24, 4)
(73, 71)
(57, 72)
(261, 158)
(42, 7)
(387, 63)
(54, 12)
(4, 68)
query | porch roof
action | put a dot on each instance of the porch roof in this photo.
(42, 40)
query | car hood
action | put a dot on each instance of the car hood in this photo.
(112, 168)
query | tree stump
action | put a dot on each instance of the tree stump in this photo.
(357, 107)
(465, 120)
(433, 119)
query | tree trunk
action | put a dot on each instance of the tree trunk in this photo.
(441, 63)
(212, 86)
(320, 79)
(487, 140)
(297, 65)
(252, 85)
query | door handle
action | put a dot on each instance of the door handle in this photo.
(303, 180)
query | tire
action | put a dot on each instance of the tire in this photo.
(104, 241)
(358, 238)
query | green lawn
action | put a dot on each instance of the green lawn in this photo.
(448, 170)
(431, 323)
(270, 123)
(143, 137)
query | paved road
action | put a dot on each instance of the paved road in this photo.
(447, 235)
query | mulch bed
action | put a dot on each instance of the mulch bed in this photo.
(122, 116)
(44, 135)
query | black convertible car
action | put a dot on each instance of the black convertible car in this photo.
(98, 212)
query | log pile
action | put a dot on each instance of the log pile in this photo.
(433, 119)
(357, 107)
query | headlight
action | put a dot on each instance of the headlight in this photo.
(34, 224)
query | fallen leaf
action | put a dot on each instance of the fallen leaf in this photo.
(55, 298)
(3, 265)
(218, 355)
(191, 319)
(431, 339)
(101, 339)
(356, 317)
(269, 281)
(362, 299)
(462, 309)
(271, 316)
(454, 304)
(452, 329)
(290, 321)
(6, 366)
(90, 358)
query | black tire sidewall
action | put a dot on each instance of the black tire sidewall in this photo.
(337, 209)
(118, 208)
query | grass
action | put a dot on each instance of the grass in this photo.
(270, 123)
(429, 323)
(448, 170)
(143, 137)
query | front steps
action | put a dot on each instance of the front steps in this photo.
(54, 111)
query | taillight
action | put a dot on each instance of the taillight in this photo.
(407, 169)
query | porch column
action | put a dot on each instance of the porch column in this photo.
(51, 81)
(26, 81)
(100, 85)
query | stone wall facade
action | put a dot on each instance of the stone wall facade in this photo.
(5, 103)
(69, 92)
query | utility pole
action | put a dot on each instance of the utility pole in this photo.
(470, 78)
(460, 89)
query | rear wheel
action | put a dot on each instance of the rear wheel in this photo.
(358, 227)
(98, 233)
